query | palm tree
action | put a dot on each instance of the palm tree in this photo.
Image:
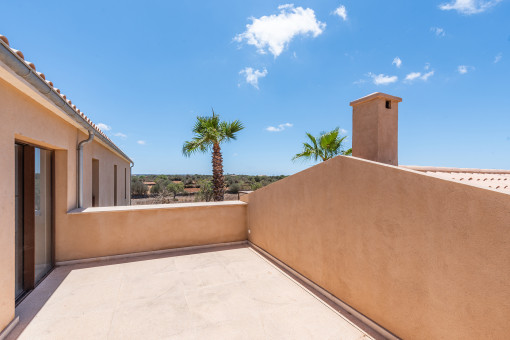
(210, 132)
(327, 145)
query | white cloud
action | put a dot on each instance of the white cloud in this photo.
(469, 7)
(141, 142)
(463, 69)
(278, 128)
(413, 75)
(341, 12)
(427, 75)
(343, 131)
(418, 75)
(498, 58)
(120, 134)
(397, 62)
(438, 31)
(104, 127)
(274, 32)
(381, 79)
(252, 76)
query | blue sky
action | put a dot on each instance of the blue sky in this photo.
(147, 69)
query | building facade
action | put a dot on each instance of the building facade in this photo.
(44, 176)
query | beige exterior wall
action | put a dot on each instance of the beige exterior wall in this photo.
(424, 257)
(100, 232)
(26, 118)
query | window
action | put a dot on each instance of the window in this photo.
(95, 182)
(388, 104)
(125, 183)
(115, 185)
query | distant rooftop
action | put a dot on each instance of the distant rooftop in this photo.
(485, 178)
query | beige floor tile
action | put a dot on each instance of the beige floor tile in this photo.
(242, 329)
(308, 321)
(230, 294)
(151, 286)
(253, 269)
(82, 300)
(215, 304)
(137, 269)
(195, 261)
(154, 318)
(91, 275)
(87, 326)
(236, 255)
(212, 275)
(276, 291)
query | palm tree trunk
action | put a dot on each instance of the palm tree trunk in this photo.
(218, 180)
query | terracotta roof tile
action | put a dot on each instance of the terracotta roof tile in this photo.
(19, 53)
(489, 179)
(4, 39)
(32, 66)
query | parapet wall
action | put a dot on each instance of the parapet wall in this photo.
(98, 232)
(424, 257)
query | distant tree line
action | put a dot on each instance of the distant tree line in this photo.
(176, 184)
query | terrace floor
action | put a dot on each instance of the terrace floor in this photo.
(232, 293)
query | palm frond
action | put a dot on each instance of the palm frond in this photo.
(327, 145)
(194, 146)
(210, 130)
(306, 154)
(228, 130)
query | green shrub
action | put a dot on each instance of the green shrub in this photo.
(206, 191)
(156, 189)
(234, 188)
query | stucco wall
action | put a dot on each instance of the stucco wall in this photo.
(100, 232)
(424, 257)
(25, 120)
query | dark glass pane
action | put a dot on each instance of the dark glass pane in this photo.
(43, 212)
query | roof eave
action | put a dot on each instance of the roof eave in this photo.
(27, 72)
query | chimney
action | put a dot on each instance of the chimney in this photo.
(375, 128)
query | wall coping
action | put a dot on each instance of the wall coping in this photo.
(373, 96)
(155, 207)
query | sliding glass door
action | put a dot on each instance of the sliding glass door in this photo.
(34, 216)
